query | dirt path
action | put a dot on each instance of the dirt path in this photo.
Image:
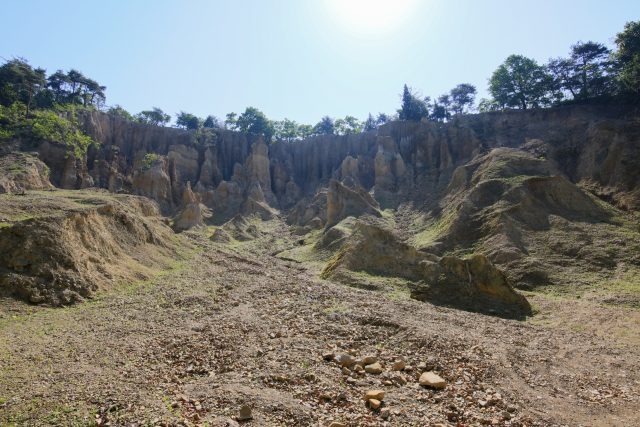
(229, 328)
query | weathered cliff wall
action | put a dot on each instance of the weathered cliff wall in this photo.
(232, 172)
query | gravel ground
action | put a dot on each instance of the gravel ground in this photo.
(234, 326)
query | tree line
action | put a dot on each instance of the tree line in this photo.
(590, 73)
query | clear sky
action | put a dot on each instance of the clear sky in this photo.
(300, 59)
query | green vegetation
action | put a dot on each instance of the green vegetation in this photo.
(149, 160)
(59, 124)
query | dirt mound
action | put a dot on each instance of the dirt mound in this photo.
(508, 204)
(21, 171)
(470, 284)
(62, 258)
(343, 202)
(473, 284)
(240, 227)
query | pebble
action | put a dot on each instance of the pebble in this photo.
(245, 413)
(374, 394)
(328, 356)
(374, 368)
(346, 360)
(430, 379)
(337, 424)
(374, 403)
(369, 360)
(385, 413)
(398, 365)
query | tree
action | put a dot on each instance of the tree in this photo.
(155, 117)
(305, 131)
(412, 108)
(382, 119)
(231, 121)
(370, 124)
(441, 108)
(591, 69)
(212, 122)
(628, 57)
(347, 126)
(20, 82)
(118, 111)
(520, 83)
(286, 130)
(188, 121)
(564, 83)
(462, 97)
(325, 126)
(254, 121)
(486, 105)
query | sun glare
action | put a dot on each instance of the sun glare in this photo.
(371, 16)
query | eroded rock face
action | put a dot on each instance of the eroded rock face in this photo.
(63, 258)
(21, 171)
(402, 160)
(154, 182)
(192, 214)
(472, 284)
(343, 202)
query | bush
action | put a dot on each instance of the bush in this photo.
(149, 160)
(49, 126)
(59, 125)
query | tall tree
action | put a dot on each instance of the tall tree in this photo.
(212, 122)
(521, 83)
(231, 121)
(254, 121)
(325, 126)
(462, 97)
(628, 57)
(305, 131)
(592, 66)
(20, 82)
(188, 121)
(286, 130)
(412, 108)
(118, 111)
(370, 124)
(382, 119)
(153, 117)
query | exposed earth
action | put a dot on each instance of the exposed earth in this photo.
(484, 271)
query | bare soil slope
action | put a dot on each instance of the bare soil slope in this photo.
(236, 326)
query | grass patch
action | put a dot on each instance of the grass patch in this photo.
(436, 230)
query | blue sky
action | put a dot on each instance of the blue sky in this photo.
(300, 59)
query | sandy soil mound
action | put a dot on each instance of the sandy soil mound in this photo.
(472, 283)
(21, 171)
(60, 257)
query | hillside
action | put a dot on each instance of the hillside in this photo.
(206, 270)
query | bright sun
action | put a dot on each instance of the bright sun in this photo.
(371, 16)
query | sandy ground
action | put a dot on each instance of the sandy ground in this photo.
(233, 325)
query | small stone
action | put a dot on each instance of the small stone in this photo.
(430, 379)
(346, 371)
(374, 394)
(346, 360)
(398, 365)
(245, 413)
(351, 380)
(374, 403)
(337, 424)
(328, 356)
(385, 413)
(374, 368)
(369, 360)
